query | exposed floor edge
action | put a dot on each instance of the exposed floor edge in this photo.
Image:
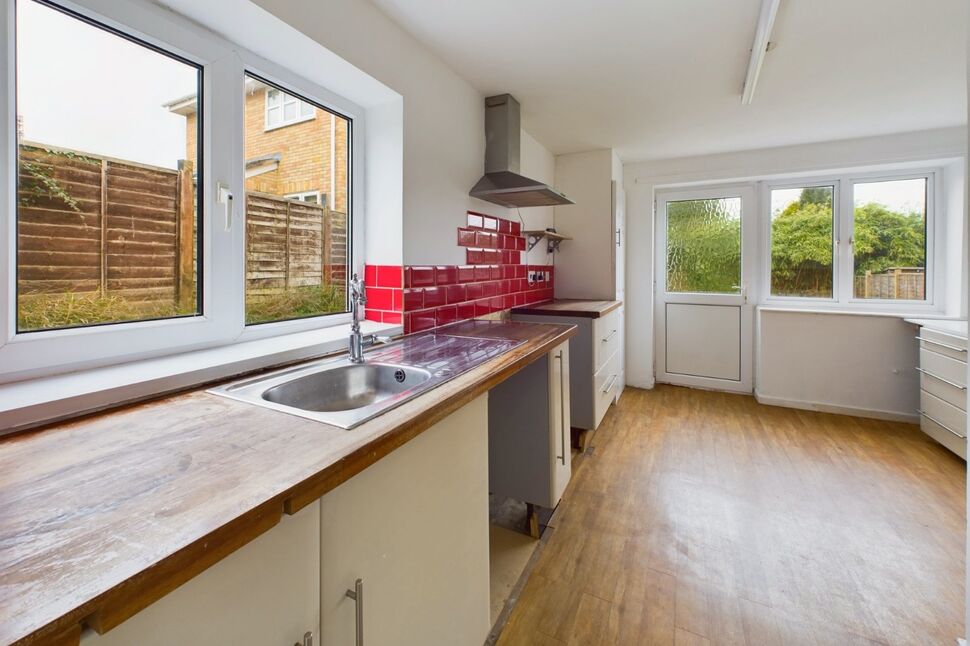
(549, 528)
(496, 632)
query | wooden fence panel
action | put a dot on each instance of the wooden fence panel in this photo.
(129, 230)
(291, 243)
(89, 224)
(140, 201)
(895, 284)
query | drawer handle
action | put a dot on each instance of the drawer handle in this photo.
(943, 345)
(612, 383)
(357, 594)
(941, 424)
(609, 336)
(939, 378)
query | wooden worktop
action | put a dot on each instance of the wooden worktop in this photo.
(570, 307)
(101, 516)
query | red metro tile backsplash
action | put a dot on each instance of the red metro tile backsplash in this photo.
(385, 293)
(493, 280)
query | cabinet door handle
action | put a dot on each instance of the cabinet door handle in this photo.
(939, 378)
(612, 383)
(562, 413)
(943, 345)
(307, 639)
(357, 594)
(940, 424)
(609, 336)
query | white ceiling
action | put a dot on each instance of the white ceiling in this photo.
(662, 78)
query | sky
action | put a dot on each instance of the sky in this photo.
(86, 89)
(903, 196)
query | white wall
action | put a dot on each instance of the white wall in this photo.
(539, 164)
(954, 201)
(444, 136)
(583, 269)
(641, 181)
(857, 365)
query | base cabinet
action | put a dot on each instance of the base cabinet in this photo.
(529, 453)
(267, 593)
(596, 376)
(413, 528)
(943, 389)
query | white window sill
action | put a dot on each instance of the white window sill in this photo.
(38, 401)
(925, 314)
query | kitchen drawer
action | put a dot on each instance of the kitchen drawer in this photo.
(944, 389)
(942, 366)
(936, 410)
(605, 384)
(945, 344)
(606, 338)
(953, 442)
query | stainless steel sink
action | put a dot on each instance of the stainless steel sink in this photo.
(347, 387)
(345, 394)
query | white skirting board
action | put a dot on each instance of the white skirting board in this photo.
(822, 407)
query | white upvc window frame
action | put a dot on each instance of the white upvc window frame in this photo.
(222, 322)
(843, 296)
(813, 182)
(934, 264)
(255, 66)
(303, 194)
(285, 99)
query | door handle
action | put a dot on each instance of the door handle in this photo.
(357, 594)
(562, 412)
(743, 290)
(224, 195)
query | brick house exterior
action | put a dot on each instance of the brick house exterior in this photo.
(292, 159)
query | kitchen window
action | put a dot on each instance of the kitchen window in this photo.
(283, 109)
(296, 246)
(135, 200)
(107, 194)
(860, 241)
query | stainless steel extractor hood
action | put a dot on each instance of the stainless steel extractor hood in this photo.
(502, 184)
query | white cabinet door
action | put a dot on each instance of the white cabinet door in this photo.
(413, 528)
(560, 443)
(267, 593)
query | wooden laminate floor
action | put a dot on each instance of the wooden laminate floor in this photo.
(706, 518)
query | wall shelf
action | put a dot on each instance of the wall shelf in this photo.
(553, 239)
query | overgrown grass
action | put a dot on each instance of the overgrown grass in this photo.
(297, 302)
(50, 311)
